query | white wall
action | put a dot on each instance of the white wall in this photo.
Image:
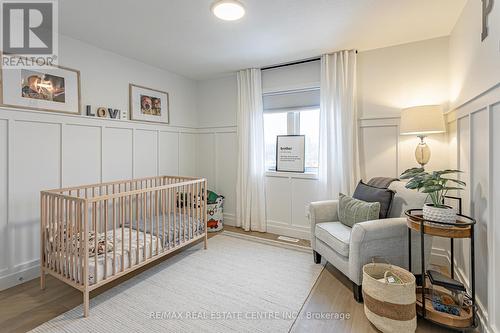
(397, 77)
(474, 65)
(217, 101)
(389, 79)
(40, 150)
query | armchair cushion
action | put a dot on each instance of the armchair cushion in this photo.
(336, 235)
(352, 210)
(405, 199)
(374, 194)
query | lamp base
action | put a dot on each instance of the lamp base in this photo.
(422, 152)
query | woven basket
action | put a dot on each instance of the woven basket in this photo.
(390, 307)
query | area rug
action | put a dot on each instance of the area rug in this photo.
(237, 285)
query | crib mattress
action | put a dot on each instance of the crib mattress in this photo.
(180, 226)
(132, 253)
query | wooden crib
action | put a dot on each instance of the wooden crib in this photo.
(94, 234)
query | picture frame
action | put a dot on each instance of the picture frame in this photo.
(290, 153)
(149, 105)
(52, 89)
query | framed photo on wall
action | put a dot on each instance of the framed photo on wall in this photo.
(148, 104)
(55, 89)
(290, 153)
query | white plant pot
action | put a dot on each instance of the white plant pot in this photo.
(439, 214)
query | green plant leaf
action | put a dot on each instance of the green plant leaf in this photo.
(455, 181)
(448, 171)
(432, 188)
(410, 173)
(453, 188)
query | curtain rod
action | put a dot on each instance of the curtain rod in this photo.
(293, 63)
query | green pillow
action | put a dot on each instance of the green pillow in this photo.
(352, 211)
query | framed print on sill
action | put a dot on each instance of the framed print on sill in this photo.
(55, 89)
(290, 153)
(148, 104)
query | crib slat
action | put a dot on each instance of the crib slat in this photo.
(106, 203)
(194, 198)
(157, 206)
(144, 219)
(191, 194)
(71, 239)
(114, 230)
(151, 224)
(198, 213)
(130, 229)
(57, 234)
(188, 209)
(205, 220)
(43, 222)
(94, 223)
(139, 226)
(163, 206)
(82, 262)
(169, 210)
(175, 201)
(60, 218)
(68, 236)
(122, 222)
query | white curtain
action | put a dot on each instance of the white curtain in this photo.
(338, 156)
(250, 191)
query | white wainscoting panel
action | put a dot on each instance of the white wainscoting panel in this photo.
(206, 158)
(169, 152)
(187, 154)
(36, 165)
(278, 200)
(4, 180)
(117, 153)
(81, 155)
(494, 265)
(303, 192)
(226, 166)
(145, 153)
(479, 191)
(379, 149)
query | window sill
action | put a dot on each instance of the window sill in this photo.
(295, 175)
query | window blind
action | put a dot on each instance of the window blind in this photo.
(291, 100)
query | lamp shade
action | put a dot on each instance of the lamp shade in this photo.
(422, 120)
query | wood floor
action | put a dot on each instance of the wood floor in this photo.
(25, 306)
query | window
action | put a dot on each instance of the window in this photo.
(303, 122)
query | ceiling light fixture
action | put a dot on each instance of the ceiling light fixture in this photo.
(228, 10)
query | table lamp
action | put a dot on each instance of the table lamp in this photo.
(422, 121)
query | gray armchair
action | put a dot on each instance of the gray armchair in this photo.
(348, 249)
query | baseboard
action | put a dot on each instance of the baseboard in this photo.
(230, 219)
(288, 230)
(274, 227)
(24, 275)
(442, 257)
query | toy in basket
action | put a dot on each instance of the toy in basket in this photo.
(389, 297)
(215, 208)
(215, 212)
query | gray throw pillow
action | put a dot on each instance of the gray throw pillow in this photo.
(369, 193)
(352, 211)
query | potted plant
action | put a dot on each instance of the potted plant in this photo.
(436, 184)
